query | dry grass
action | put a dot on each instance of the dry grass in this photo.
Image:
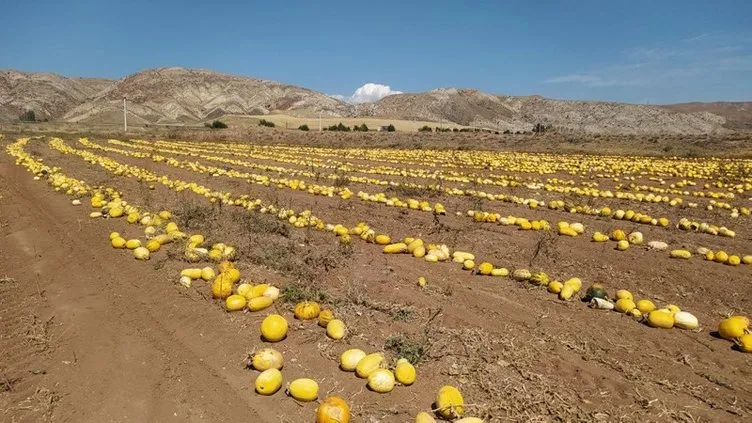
(37, 333)
(501, 374)
(41, 403)
(194, 216)
(296, 292)
(356, 297)
(7, 383)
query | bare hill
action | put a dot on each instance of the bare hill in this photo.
(174, 95)
(177, 95)
(47, 94)
(475, 108)
(738, 115)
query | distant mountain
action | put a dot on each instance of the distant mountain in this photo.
(475, 108)
(177, 95)
(47, 94)
(738, 115)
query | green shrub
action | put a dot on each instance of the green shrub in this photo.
(28, 116)
(425, 128)
(339, 127)
(304, 127)
(218, 124)
(264, 122)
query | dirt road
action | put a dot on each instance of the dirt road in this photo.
(84, 340)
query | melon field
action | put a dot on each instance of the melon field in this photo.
(184, 280)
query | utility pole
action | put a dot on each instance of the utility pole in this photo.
(125, 116)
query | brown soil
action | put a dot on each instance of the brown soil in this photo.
(89, 334)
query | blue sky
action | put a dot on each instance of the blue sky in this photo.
(658, 51)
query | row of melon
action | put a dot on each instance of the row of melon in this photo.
(307, 156)
(303, 219)
(439, 253)
(737, 330)
(108, 200)
(617, 215)
(415, 204)
(717, 257)
(623, 241)
(643, 310)
(723, 257)
(568, 289)
(559, 160)
(295, 184)
(703, 227)
(638, 197)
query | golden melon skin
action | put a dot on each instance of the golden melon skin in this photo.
(274, 328)
(449, 402)
(660, 319)
(235, 302)
(333, 410)
(268, 382)
(307, 310)
(304, 389)
(404, 372)
(369, 364)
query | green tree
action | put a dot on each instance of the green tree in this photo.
(218, 124)
(339, 127)
(303, 127)
(28, 116)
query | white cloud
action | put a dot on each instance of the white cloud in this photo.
(368, 93)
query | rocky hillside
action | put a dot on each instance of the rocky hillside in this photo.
(177, 95)
(47, 94)
(474, 108)
(738, 115)
(174, 95)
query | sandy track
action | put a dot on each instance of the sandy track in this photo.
(112, 352)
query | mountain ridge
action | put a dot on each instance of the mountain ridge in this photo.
(175, 95)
